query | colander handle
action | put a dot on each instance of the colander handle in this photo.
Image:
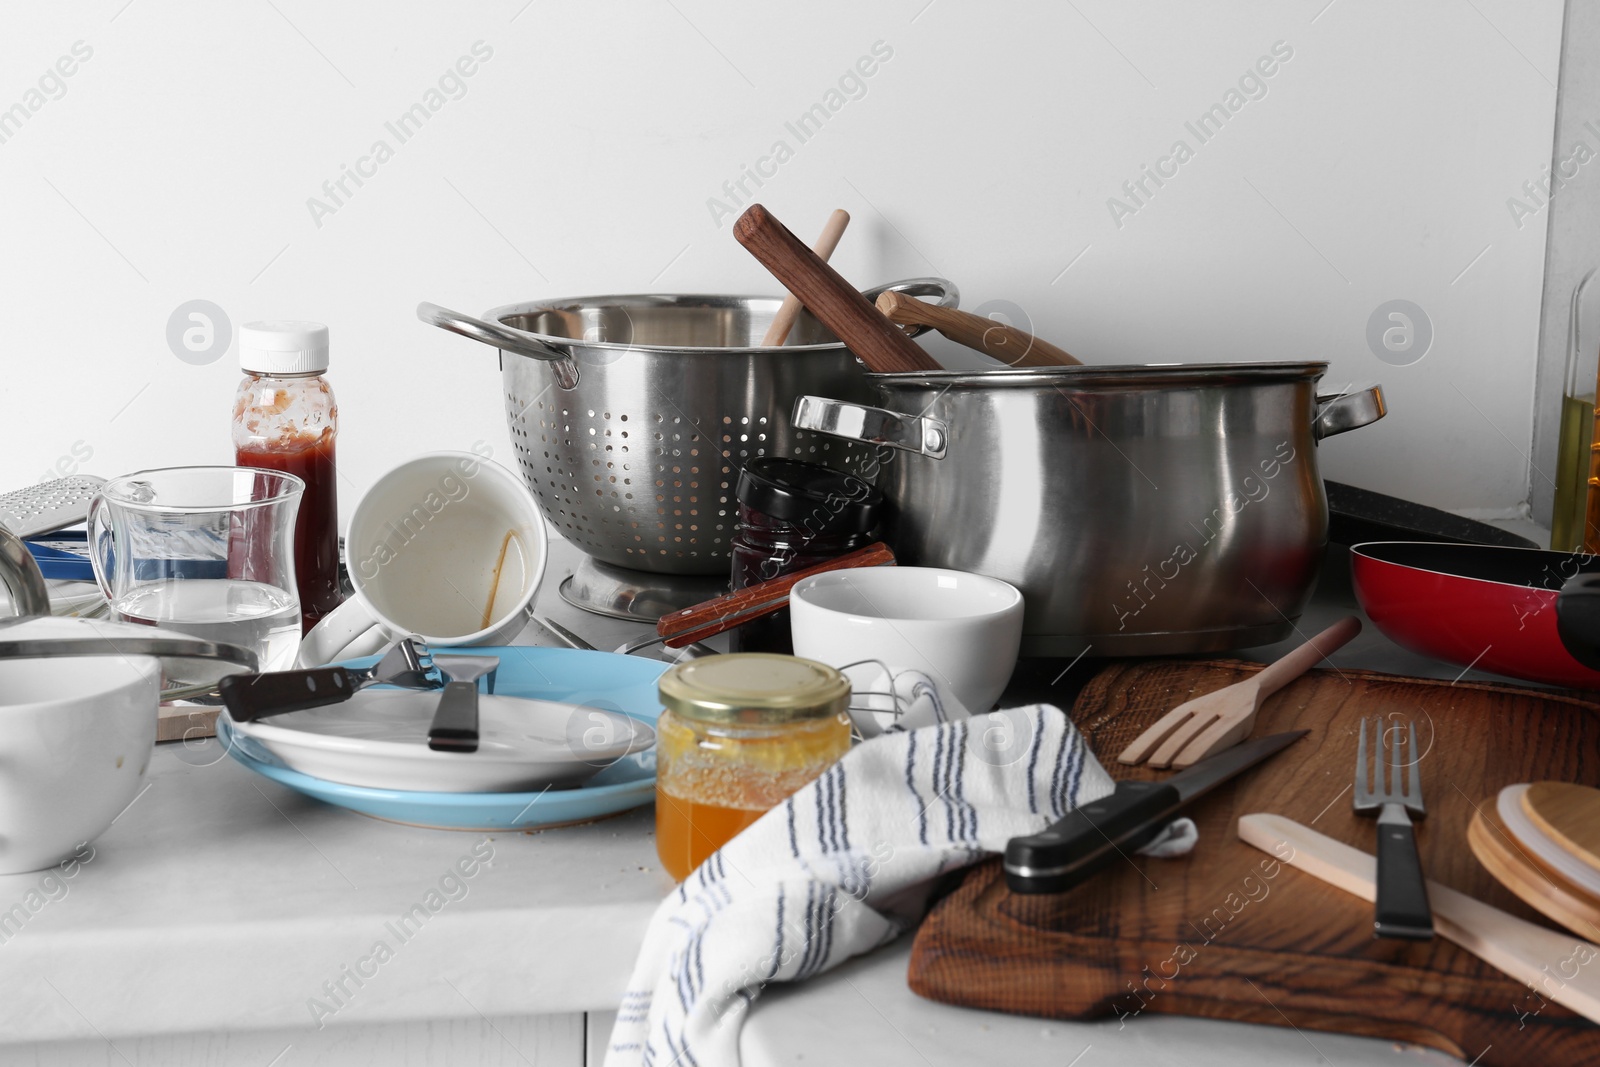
(943, 293)
(858, 422)
(502, 337)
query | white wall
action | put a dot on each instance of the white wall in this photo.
(178, 163)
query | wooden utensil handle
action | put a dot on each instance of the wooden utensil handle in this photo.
(876, 341)
(789, 311)
(752, 602)
(1283, 671)
(1557, 965)
(1005, 343)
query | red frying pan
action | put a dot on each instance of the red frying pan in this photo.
(1521, 612)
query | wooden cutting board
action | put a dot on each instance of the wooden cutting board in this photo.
(186, 722)
(1228, 933)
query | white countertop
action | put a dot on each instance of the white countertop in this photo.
(222, 901)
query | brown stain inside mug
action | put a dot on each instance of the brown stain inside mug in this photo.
(494, 585)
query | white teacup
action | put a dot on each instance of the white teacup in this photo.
(962, 631)
(449, 546)
(76, 735)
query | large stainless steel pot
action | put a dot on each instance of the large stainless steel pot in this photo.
(1141, 510)
(633, 415)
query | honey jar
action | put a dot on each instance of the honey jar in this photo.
(739, 734)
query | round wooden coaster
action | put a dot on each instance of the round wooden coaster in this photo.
(1540, 846)
(1541, 888)
(1569, 815)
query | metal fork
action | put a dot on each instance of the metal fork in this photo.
(1402, 904)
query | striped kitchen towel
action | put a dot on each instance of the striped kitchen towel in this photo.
(843, 866)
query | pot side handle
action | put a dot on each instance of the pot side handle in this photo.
(502, 337)
(1348, 411)
(857, 422)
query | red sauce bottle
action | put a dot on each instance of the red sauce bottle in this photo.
(285, 418)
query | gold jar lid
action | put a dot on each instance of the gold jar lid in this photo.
(753, 688)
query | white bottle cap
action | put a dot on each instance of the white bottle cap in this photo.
(283, 347)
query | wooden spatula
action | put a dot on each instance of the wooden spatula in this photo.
(1528, 953)
(1005, 343)
(1208, 724)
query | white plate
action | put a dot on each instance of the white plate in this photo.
(379, 739)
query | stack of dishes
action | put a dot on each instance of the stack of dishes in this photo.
(1542, 842)
(566, 737)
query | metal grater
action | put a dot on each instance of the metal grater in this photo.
(49, 506)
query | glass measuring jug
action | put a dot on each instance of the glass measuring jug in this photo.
(207, 551)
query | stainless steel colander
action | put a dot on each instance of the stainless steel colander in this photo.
(633, 415)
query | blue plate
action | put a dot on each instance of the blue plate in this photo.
(597, 679)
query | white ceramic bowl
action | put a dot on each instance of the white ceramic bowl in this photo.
(962, 630)
(76, 734)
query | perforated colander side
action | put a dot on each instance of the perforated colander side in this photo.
(642, 489)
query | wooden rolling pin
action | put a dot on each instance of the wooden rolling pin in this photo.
(1005, 343)
(783, 321)
(876, 341)
(723, 613)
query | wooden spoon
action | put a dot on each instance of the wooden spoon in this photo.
(837, 304)
(1005, 343)
(1208, 724)
(783, 321)
(722, 613)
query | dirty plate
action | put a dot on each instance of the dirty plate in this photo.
(599, 680)
(379, 738)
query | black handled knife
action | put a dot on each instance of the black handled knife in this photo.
(1057, 859)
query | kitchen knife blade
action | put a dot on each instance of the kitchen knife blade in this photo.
(1090, 836)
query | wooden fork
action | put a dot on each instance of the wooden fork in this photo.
(1208, 724)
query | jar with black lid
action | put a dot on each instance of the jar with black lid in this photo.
(793, 515)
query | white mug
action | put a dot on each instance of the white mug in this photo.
(892, 629)
(449, 546)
